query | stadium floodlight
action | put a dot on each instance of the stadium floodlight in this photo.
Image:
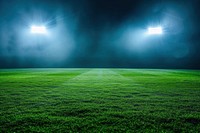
(155, 30)
(38, 29)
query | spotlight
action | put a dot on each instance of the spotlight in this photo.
(155, 30)
(38, 29)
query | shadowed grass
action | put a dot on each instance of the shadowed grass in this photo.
(99, 100)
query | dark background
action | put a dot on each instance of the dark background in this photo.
(100, 33)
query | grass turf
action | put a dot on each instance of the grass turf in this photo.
(99, 100)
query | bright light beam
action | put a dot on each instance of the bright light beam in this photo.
(155, 30)
(38, 29)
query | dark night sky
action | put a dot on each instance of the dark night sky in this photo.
(100, 33)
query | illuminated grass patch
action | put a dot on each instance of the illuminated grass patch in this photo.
(99, 100)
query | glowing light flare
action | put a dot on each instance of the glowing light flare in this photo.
(155, 30)
(38, 29)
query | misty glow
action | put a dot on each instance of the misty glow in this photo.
(38, 29)
(155, 30)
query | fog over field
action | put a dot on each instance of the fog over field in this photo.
(100, 33)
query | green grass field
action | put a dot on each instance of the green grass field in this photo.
(99, 100)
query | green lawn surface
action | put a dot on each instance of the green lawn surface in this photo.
(99, 100)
